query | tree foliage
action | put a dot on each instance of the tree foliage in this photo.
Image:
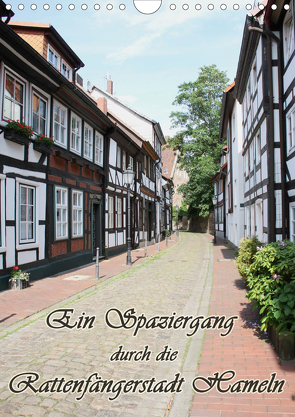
(198, 138)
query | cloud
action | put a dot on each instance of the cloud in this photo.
(151, 28)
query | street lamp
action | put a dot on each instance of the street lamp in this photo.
(128, 177)
(214, 201)
(176, 208)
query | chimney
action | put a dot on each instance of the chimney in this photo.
(102, 104)
(110, 87)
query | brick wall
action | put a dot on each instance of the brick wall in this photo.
(57, 162)
(59, 248)
(77, 244)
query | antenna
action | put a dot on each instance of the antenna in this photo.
(89, 86)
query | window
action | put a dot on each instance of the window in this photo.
(76, 134)
(13, 98)
(39, 114)
(251, 155)
(27, 214)
(60, 124)
(77, 208)
(291, 130)
(288, 33)
(61, 212)
(254, 76)
(53, 57)
(258, 149)
(118, 157)
(88, 139)
(124, 161)
(99, 149)
(119, 213)
(66, 70)
(131, 162)
(111, 212)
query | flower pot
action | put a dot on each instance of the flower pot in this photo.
(41, 147)
(16, 137)
(18, 284)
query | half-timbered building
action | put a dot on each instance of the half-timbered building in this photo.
(51, 204)
(231, 129)
(150, 196)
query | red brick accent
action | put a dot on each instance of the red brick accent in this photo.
(102, 104)
(77, 244)
(73, 168)
(54, 178)
(57, 162)
(95, 176)
(110, 86)
(85, 220)
(83, 184)
(93, 187)
(73, 182)
(86, 172)
(86, 200)
(89, 241)
(59, 248)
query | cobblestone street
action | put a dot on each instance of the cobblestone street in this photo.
(178, 281)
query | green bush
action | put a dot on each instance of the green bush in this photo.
(247, 250)
(271, 279)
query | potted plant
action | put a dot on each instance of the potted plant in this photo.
(18, 279)
(18, 132)
(43, 144)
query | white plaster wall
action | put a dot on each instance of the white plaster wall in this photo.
(26, 257)
(11, 149)
(10, 254)
(120, 238)
(112, 240)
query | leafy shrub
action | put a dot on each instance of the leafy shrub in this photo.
(247, 250)
(271, 279)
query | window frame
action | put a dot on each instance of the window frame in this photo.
(8, 72)
(61, 206)
(44, 98)
(288, 34)
(21, 184)
(77, 118)
(290, 129)
(58, 67)
(120, 213)
(98, 138)
(61, 107)
(111, 214)
(88, 156)
(63, 62)
(78, 208)
(131, 162)
(124, 160)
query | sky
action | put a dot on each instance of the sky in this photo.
(146, 55)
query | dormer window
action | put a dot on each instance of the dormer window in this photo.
(53, 57)
(66, 70)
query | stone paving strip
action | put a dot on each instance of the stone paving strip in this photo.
(178, 281)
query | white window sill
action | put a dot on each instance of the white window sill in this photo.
(29, 245)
